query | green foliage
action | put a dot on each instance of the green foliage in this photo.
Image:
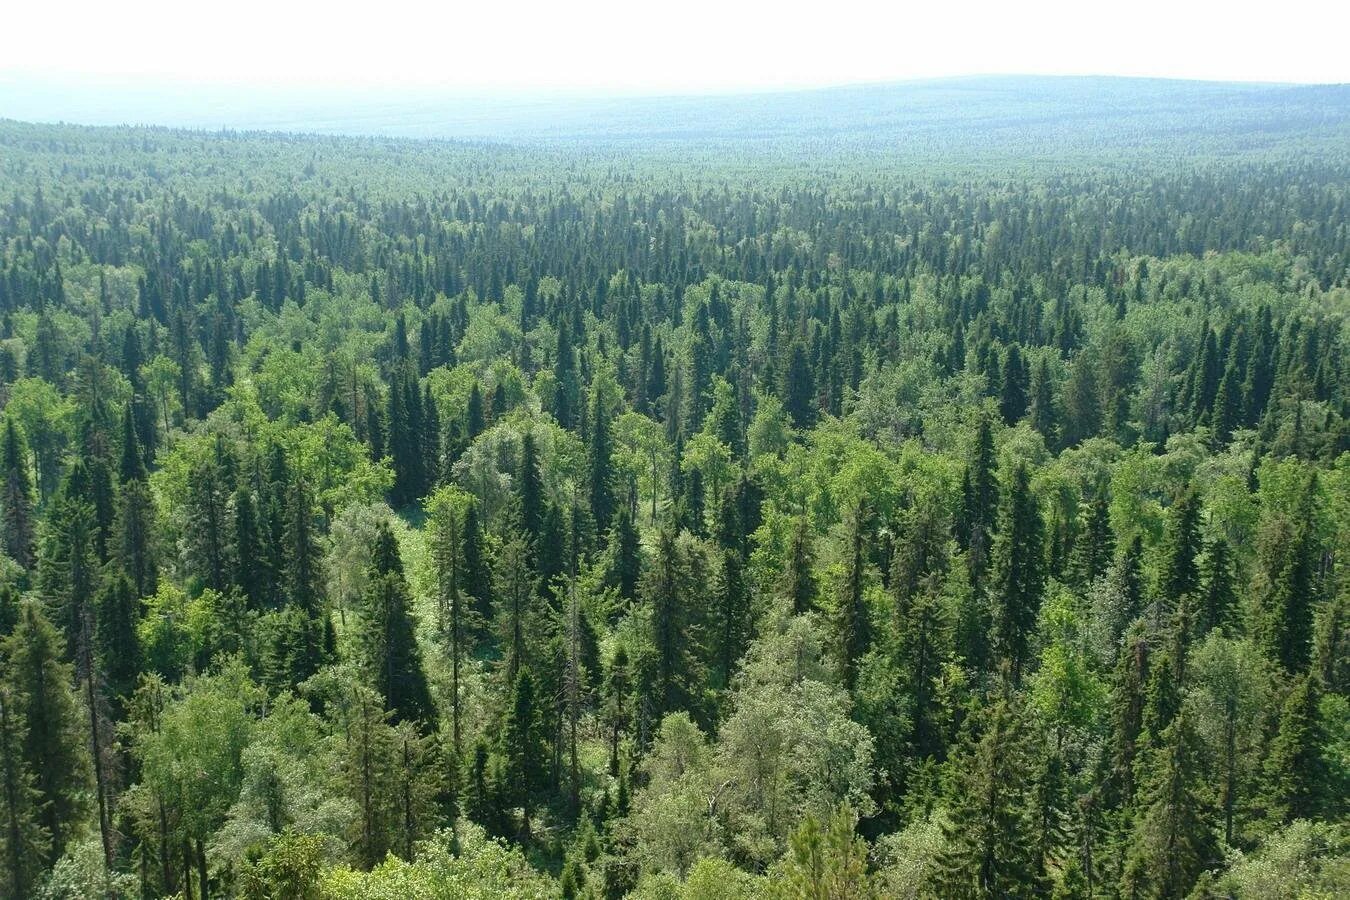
(729, 503)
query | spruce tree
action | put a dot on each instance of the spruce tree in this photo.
(390, 648)
(990, 847)
(980, 499)
(24, 843)
(16, 504)
(1019, 573)
(1181, 546)
(799, 390)
(53, 749)
(627, 558)
(666, 589)
(1285, 624)
(599, 467)
(250, 570)
(134, 537)
(1173, 840)
(852, 626)
(799, 583)
(477, 572)
(1218, 594)
(530, 493)
(117, 644)
(523, 746)
(1295, 769)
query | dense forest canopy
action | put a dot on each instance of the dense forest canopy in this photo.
(771, 510)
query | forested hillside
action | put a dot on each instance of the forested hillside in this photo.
(385, 518)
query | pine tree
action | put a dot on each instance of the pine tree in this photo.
(1019, 573)
(16, 504)
(733, 613)
(1173, 840)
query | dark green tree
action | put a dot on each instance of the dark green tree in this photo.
(390, 649)
(1173, 840)
(1019, 574)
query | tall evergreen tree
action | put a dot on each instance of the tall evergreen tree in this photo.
(53, 749)
(990, 849)
(852, 624)
(599, 467)
(16, 504)
(1295, 768)
(24, 843)
(390, 648)
(1019, 573)
(799, 583)
(675, 681)
(1180, 575)
(1173, 840)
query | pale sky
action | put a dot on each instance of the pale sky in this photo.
(695, 45)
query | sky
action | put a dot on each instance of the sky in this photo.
(688, 46)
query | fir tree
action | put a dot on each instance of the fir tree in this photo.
(980, 498)
(799, 584)
(134, 544)
(1218, 595)
(117, 644)
(1181, 546)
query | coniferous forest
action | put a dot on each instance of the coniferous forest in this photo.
(389, 518)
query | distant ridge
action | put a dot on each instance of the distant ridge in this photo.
(1049, 113)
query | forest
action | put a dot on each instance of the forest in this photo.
(393, 518)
